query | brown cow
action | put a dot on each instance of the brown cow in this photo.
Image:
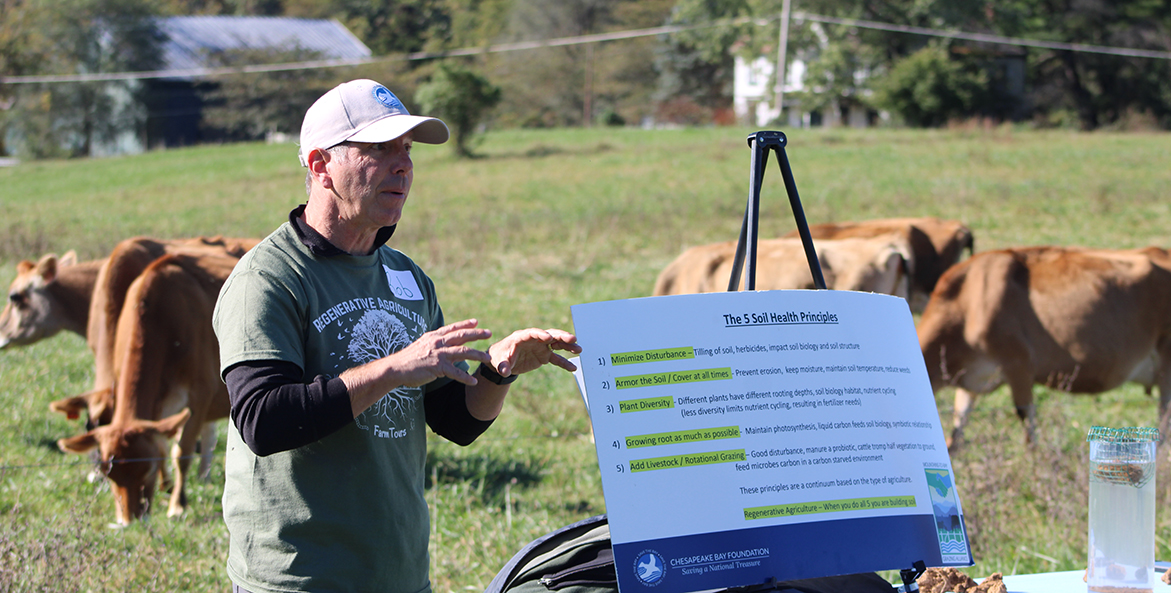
(168, 384)
(126, 262)
(876, 264)
(935, 244)
(55, 294)
(1080, 320)
(46, 297)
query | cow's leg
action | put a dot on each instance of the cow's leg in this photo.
(1163, 378)
(963, 407)
(207, 442)
(181, 453)
(1022, 397)
(1164, 417)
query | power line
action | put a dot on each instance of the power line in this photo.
(579, 40)
(309, 65)
(1075, 47)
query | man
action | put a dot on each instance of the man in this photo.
(335, 353)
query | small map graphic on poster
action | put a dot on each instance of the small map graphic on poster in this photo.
(952, 543)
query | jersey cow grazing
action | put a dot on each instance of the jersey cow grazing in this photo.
(56, 293)
(935, 246)
(877, 264)
(46, 297)
(167, 385)
(1079, 320)
(126, 262)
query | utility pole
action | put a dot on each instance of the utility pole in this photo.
(782, 46)
(587, 115)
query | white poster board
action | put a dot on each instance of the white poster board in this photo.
(743, 436)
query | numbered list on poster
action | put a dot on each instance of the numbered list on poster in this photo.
(731, 418)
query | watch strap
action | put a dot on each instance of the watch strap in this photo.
(489, 373)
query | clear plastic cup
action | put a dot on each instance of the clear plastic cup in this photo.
(1122, 509)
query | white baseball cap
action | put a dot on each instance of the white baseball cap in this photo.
(363, 111)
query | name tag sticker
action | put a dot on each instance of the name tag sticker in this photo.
(403, 284)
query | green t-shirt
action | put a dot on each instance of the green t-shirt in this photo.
(345, 513)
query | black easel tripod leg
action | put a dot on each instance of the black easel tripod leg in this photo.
(799, 217)
(746, 246)
(761, 143)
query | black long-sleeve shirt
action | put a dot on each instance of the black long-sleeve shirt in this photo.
(275, 410)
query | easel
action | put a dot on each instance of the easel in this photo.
(761, 143)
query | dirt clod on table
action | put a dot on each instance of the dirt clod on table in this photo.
(950, 580)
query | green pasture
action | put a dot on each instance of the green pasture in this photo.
(542, 221)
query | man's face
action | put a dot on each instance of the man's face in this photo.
(372, 181)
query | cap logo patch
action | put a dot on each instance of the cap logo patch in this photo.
(387, 98)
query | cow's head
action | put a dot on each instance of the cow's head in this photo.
(131, 456)
(28, 314)
(98, 405)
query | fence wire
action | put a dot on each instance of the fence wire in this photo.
(585, 39)
(87, 461)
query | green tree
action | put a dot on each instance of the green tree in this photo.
(222, 7)
(20, 53)
(839, 71)
(1097, 89)
(473, 23)
(553, 86)
(842, 61)
(84, 37)
(250, 106)
(696, 66)
(622, 80)
(385, 26)
(462, 98)
(1090, 89)
(928, 89)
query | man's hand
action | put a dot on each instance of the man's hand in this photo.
(527, 349)
(522, 351)
(430, 357)
(435, 354)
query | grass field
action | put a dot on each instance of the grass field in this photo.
(545, 220)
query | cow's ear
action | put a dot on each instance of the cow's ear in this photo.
(170, 425)
(69, 259)
(47, 268)
(78, 444)
(70, 406)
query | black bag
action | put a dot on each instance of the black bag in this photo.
(578, 559)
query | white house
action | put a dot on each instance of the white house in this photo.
(753, 97)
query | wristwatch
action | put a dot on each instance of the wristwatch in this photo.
(489, 373)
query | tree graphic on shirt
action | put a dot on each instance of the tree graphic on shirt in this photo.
(376, 335)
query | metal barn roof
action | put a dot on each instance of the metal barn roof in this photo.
(191, 39)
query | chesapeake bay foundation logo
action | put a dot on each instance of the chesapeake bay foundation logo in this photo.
(650, 568)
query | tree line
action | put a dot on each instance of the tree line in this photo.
(683, 77)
